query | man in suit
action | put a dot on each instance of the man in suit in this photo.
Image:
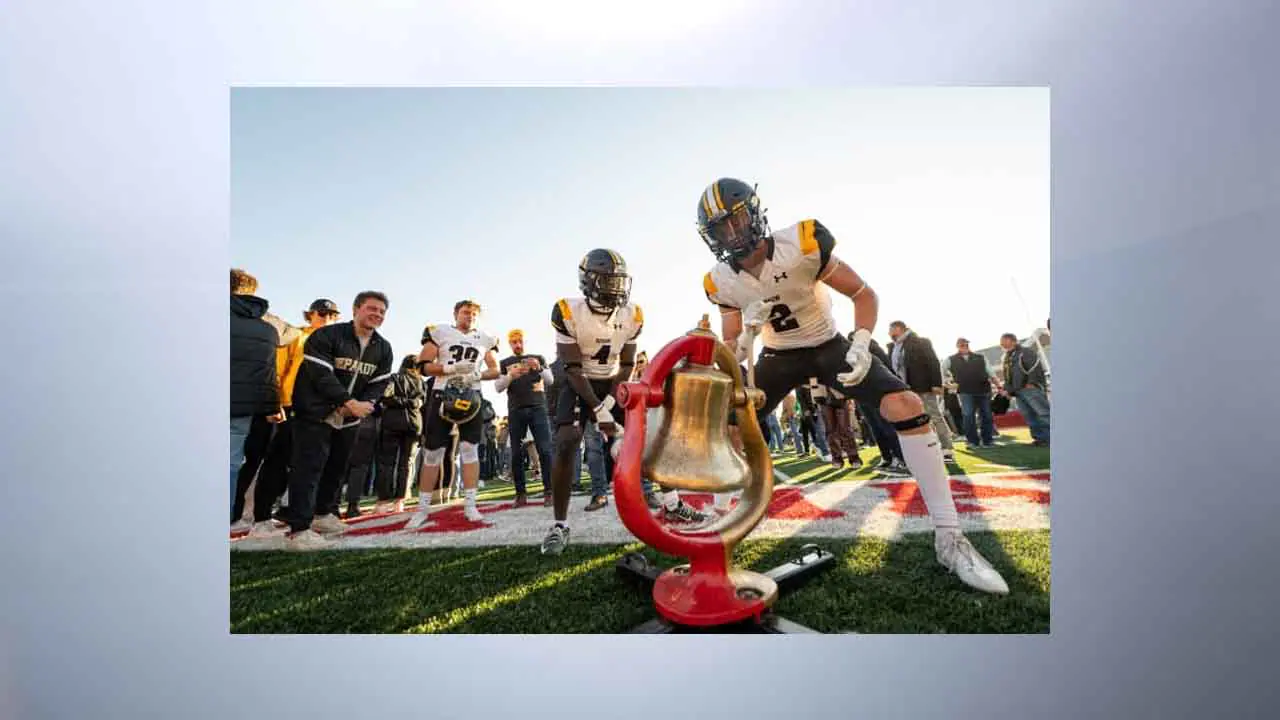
(914, 360)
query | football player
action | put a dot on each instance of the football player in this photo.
(460, 356)
(596, 340)
(777, 282)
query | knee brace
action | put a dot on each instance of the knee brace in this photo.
(432, 457)
(911, 423)
(468, 453)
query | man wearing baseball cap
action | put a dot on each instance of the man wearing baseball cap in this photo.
(524, 379)
(274, 476)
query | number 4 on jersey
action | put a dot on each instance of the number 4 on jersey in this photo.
(602, 355)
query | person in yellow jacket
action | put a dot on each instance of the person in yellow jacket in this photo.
(274, 476)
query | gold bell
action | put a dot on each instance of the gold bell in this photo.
(687, 444)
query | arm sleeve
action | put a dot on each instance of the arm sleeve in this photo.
(817, 241)
(713, 294)
(561, 320)
(318, 353)
(378, 383)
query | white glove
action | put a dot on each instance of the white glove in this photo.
(756, 315)
(604, 412)
(616, 448)
(858, 357)
(460, 368)
(746, 339)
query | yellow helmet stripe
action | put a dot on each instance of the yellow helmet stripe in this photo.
(715, 187)
(708, 201)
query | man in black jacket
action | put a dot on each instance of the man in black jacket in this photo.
(917, 364)
(345, 369)
(401, 409)
(255, 390)
(973, 380)
(1025, 380)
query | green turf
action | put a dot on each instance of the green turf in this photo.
(876, 587)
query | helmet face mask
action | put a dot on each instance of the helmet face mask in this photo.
(603, 280)
(730, 220)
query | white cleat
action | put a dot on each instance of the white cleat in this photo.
(328, 525)
(472, 513)
(268, 529)
(957, 555)
(308, 540)
(417, 520)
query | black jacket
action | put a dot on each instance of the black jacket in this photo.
(254, 385)
(1022, 367)
(921, 370)
(401, 404)
(970, 373)
(334, 371)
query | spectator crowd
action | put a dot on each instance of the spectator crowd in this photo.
(324, 415)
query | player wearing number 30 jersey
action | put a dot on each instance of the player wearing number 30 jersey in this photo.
(777, 282)
(459, 356)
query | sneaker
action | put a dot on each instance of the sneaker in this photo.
(900, 467)
(684, 515)
(546, 498)
(328, 525)
(826, 457)
(651, 499)
(521, 500)
(240, 526)
(472, 513)
(383, 507)
(417, 520)
(307, 540)
(399, 506)
(956, 554)
(556, 539)
(268, 529)
(597, 502)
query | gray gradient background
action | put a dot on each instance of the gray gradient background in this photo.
(114, 227)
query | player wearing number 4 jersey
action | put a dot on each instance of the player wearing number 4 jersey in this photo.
(777, 282)
(459, 356)
(596, 340)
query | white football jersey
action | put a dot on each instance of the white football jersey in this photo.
(458, 346)
(599, 337)
(801, 305)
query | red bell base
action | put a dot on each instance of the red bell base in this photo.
(784, 578)
(704, 599)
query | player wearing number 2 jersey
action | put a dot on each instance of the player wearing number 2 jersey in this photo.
(596, 341)
(459, 356)
(777, 282)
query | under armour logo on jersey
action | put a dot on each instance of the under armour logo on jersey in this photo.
(780, 278)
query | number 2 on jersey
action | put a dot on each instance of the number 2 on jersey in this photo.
(781, 319)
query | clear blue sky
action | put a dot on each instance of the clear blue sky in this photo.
(936, 196)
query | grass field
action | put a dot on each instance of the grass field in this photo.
(877, 586)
